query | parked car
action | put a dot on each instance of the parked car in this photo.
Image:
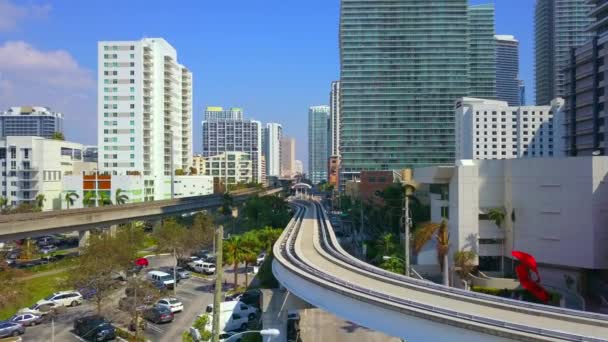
(260, 259)
(26, 319)
(8, 329)
(40, 309)
(65, 298)
(161, 277)
(201, 266)
(171, 303)
(94, 328)
(252, 297)
(46, 241)
(48, 249)
(180, 271)
(236, 307)
(158, 314)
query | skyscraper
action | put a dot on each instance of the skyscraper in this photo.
(288, 156)
(559, 26)
(318, 129)
(507, 70)
(334, 118)
(273, 133)
(30, 121)
(144, 108)
(227, 131)
(522, 93)
(402, 68)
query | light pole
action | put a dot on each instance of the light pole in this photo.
(217, 298)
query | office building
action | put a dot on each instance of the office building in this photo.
(397, 90)
(144, 108)
(288, 157)
(299, 167)
(559, 26)
(33, 166)
(586, 118)
(334, 118)
(536, 195)
(491, 129)
(226, 130)
(507, 70)
(30, 121)
(273, 133)
(230, 167)
(318, 140)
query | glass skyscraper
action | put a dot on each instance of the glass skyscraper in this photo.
(507, 70)
(318, 143)
(404, 63)
(559, 25)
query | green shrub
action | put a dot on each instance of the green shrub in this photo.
(127, 335)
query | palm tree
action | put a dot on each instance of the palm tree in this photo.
(120, 197)
(104, 198)
(234, 252)
(497, 215)
(463, 263)
(70, 198)
(267, 236)
(251, 245)
(439, 232)
(385, 244)
(89, 199)
(40, 199)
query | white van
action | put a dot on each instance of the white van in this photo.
(236, 307)
(201, 266)
(161, 277)
(230, 321)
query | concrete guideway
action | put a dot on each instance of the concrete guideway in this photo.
(416, 310)
(19, 226)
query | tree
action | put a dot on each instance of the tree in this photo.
(143, 294)
(202, 231)
(251, 246)
(385, 244)
(89, 199)
(40, 199)
(497, 215)
(234, 253)
(267, 236)
(193, 170)
(70, 198)
(3, 202)
(9, 293)
(392, 265)
(180, 172)
(439, 232)
(104, 198)
(463, 263)
(120, 197)
(58, 136)
(227, 204)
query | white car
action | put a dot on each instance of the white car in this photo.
(202, 267)
(39, 309)
(64, 298)
(172, 304)
(48, 249)
(261, 258)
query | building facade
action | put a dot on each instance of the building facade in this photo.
(586, 117)
(299, 167)
(144, 108)
(536, 196)
(33, 166)
(398, 90)
(198, 164)
(507, 70)
(30, 121)
(333, 171)
(490, 129)
(559, 25)
(318, 140)
(228, 131)
(522, 93)
(288, 155)
(334, 118)
(230, 167)
(273, 133)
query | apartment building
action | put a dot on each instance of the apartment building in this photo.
(318, 143)
(273, 133)
(30, 121)
(490, 129)
(230, 167)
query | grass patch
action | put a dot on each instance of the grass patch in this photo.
(148, 242)
(54, 265)
(34, 290)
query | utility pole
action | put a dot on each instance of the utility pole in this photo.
(217, 297)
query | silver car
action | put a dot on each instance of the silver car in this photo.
(8, 329)
(26, 319)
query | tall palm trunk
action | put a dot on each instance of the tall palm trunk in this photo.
(236, 269)
(446, 274)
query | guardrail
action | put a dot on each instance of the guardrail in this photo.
(287, 249)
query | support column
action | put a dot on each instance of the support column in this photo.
(156, 224)
(113, 229)
(83, 238)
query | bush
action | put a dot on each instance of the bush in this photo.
(525, 295)
(129, 336)
(265, 277)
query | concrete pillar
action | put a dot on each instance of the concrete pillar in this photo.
(113, 228)
(156, 224)
(83, 238)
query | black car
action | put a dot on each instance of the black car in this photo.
(158, 314)
(94, 328)
(252, 297)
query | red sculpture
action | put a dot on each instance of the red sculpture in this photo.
(527, 264)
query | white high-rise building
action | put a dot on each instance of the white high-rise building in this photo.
(490, 129)
(334, 118)
(299, 167)
(273, 132)
(144, 108)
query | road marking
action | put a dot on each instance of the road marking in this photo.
(155, 328)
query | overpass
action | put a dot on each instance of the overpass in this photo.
(310, 263)
(20, 226)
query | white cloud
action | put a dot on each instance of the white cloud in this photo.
(11, 14)
(29, 76)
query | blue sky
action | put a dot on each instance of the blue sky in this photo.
(275, 58)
